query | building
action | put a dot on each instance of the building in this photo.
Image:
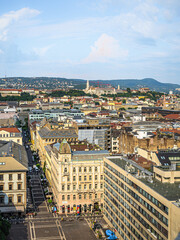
(139, 206)
(45, 135)
(11, 134)
(10, 92)
(13, 168)
(115, 133)
(76, 177)
(146, 138)
(38, 114)
(96, 131)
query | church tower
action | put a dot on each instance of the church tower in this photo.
(87, 85)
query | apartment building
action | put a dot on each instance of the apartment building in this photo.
(11, 134)
(76, 177)
(13, 168)
(139, 206)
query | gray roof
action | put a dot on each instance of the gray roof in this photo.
(57, 133)
(15, 150)
(90, 152)
(89, 155)
(167, 190)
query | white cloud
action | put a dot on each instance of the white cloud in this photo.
(105, 48)
(14, 16)
(1, 51)
(42, 51)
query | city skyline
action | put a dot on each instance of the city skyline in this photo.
(105, 39)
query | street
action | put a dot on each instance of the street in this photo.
(44, 224)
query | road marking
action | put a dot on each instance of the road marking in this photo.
(32, 231)
(60, 230)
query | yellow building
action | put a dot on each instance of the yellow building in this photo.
(11, 134)
(13, 168)
(46, 135)
(76, 177)
(138, 206)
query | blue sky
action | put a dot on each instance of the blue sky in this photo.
(96, 39)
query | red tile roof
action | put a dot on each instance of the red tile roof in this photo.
(12, 130)
(173, 116)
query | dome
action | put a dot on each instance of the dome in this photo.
(64, 147)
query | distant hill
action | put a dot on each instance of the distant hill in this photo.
(151, 83)
(54, 83)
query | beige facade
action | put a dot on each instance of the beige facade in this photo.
(46, 135)
(11, 134)
(137, 206)
(76, 177)
(13, 168)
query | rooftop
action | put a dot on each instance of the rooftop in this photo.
(57, 133)
(167, 190)
(12, 150)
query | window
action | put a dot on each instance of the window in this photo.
(1, 177)
(10, 177)
(101, 195)
(85, 197)
(79, 196)
(90, 169)
(96, 195)
(74, 187)
(84, 169)
(68, 187)
(19, 199)
(19, 186)
(63, 187)
(1, 187)
(10, 186)
(85, 186)
(65, 160)
(19, 176)
(101, 177)
(85, 178)
(74, 197)
(79, 178)
(68, 179)
(96, 177)
(90, 177)
(65, 170)
(96, 186)
(74, 178)
(90, 186)
(10, 200)
(74, 169)
(90, 196)
(79, 169)
(63, 197)
(68, 197)
(101, 186)
(95, 169)
(1, 199)
(79, 187)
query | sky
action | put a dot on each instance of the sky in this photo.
(91, 39)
